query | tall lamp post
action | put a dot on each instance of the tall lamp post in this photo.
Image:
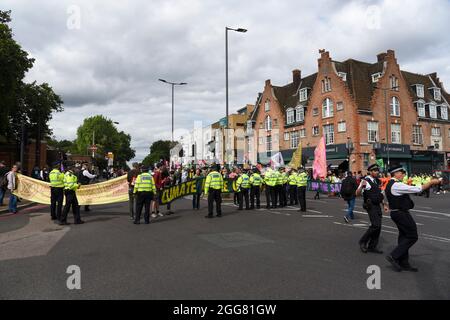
(226, 78)
(173, 84)
(349, 146)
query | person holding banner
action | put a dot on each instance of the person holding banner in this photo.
(213, 188)
(56, 192)
(144, 188)
(70, 187)
(243, 185)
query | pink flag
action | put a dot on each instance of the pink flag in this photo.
(320, 160)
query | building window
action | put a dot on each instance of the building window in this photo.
(372, 131)
(290, 115)
(421, 109)
(376, 77)
(437, 94)
(315, 112)
(343, 76)
(342, 127)
(303, 94)
(300, 113)
(393, 80)
(417, 135)
(302, 133)
(268, 124)
(433, 112)
(286, 136)
(395, 107)
(419, 91)
(267, 106)
(444, 112)
(326, 85)
(269, 143)
(294, 139)
(328, 132)
(396, 133)
(315, 131)
(249, 127)
(327, 108)
(436, 131)
(366, 160)
(260, 140)
(340, 106)
(449, 133)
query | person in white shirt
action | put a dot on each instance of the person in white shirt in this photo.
(400, 203)
(85, 179)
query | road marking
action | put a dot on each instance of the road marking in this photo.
(424, 207)
(323, 201)
(432, 212)
(316, 216)
(365, 213)
(309, 210)
(430, 235)
(436, 218)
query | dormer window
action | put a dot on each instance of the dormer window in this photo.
(290, 116)
(433, 111)
(437, 94)
(267, 106)
(303, 94)
(419, 91)
(343, 76)
(300, 114)
(420, 109)
(376, 77)
(444, 112)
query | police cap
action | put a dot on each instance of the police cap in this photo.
(396, 169)
(373, 167)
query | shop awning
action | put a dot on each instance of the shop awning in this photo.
(333, 163)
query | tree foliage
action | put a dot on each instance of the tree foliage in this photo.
(107, 139)
(159, 150)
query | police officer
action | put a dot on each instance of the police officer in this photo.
(370, 186)
(255, 183)
(284, 187)
(278, 187)
(70, 187)
(144, 189)
(292, 181)
(243, 185)
(270, 179)
(302, 182)
(56, 193)
(265, 178)
(400, 203)
(213, 188)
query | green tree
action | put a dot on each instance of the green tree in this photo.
(159, 150)
(107, 139)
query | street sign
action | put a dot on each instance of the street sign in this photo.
(93, 148)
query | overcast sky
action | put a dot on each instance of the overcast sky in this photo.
(109, 61)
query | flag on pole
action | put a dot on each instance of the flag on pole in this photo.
(320, 160)
(296, 160)
(276, 160)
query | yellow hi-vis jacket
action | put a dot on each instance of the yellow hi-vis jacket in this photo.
(243, 181)
(270, 178)
(214, 180)
(144, 183)
(293, 179)
(56, 179)
(256, 180)
(302, 179)
(71, 181)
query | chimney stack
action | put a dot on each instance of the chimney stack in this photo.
(381, 56)
(296, 76)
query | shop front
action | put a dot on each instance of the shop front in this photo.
(395, 154)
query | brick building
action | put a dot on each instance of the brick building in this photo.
(366, 111)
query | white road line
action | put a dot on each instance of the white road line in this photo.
(317, 200)
(430, 235)
(424, 207)
(313, 211)
(436, 218)
(432, 212)
(316, 216)
(384, 216)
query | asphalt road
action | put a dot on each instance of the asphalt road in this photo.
(260, 254)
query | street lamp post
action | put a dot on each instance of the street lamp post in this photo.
(226, 80)
(173, 84)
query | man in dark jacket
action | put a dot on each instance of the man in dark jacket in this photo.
(348, 193)
(131, 178)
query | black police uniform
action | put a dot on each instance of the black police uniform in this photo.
(400, 206)
(372, 203)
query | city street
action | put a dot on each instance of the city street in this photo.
(259, 254)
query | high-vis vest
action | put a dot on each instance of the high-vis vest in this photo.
(144, 183)
(243, 181)
(56, 179)
(279, 176)
(214, 180)
(255, 180)
(293, 179)
(302, 179)
(70, 181)
(285, 177)
(270, 178)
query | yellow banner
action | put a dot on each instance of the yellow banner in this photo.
(111, 191)
(296, 160)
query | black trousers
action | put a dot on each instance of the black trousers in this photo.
(236, 198)
(214, 195)
(143, 200)
(71, 201)
(196, 200)
(131, 201)
(56, 202)
(268, 195)
(255, 193)
(274, 196)
(293, 198)
(372, 234)
(407, 236)
(302, 197)
(283, 195)
(244, 195)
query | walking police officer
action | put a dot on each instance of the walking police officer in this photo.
(144, 188)
(71, 185)
(213, 188)
(302, 182)
(57, 192)
(255, 183)
(400, 203)
(243, 185)
(373, 199)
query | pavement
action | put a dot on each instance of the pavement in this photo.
(20, 205)
(257, 254)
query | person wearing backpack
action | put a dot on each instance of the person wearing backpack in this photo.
(348, 193)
